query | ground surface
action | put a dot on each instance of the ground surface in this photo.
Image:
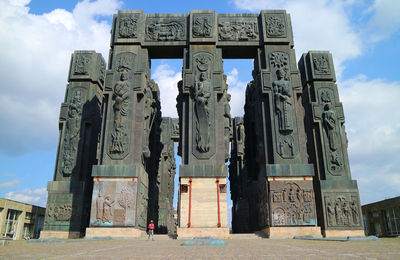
(388, 248)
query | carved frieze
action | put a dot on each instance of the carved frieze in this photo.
(292, 203)
(227, 122)
(81, 64)
(241, 29)
(342, 209)
(59, 213)
(167, 29)
(202, 93)
(202, 25)
(321, 64)
(72, 133)
(118, 147)
(127, 27)
(275, 25)
(113, 203)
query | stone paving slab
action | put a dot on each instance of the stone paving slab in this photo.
(387, 248)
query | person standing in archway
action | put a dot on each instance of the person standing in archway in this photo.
(151, 230)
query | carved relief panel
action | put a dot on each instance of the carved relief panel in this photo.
(342, 210)
(202, 25)
(203, 100)
(118, 145)
(72, 132)
(283, 106)
(165, 29)
(232, 28)
(114, 203)
(292, 203)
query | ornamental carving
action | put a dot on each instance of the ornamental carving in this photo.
(81, 64)
(127, 27)
(72, 134)
(202, 26)
(120, 104)
(201, 96)
(342, 210)
(275, 26)
(165, 31)
(227, 122)
(60, 213)
(104, 204)
(321, 64)
(149, 114)
(240, 30)
(330, 124)
(292, 203)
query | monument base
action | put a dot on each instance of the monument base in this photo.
(187, 233)
(343, 233)
(290, 232)
(126, 232)
(59, 234)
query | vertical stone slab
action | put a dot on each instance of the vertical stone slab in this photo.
(80, 123)
(203, 105)
(238, 179)
(337, 194)
(273, 116)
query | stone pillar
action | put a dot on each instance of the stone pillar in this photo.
(69, 196)
(285, 197)
(338, 202)
(131, 108)
(162, 193)
(238, 179)
(205, 123)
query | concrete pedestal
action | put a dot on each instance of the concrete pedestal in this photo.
(59, 234)
(126, 232)
(187, 233)
(343, 233)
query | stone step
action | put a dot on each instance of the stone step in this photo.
(247, 236)
(162, 237)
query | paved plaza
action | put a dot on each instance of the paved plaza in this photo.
(387, 248)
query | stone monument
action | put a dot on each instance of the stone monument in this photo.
(115, 168)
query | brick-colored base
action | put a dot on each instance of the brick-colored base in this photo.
(59, 234)
(343, 233)
(184, 233)
(127, 232)
(289, 232)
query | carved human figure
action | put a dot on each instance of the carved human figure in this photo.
(107, 204)
(202, 94)
(354, 212)
(346, 213)
(329, 122)
(99, 206)
(121, 100)
(283, 101)
(331, 213)
(338, 212)
(227, 123)
(202, 26)
(149, 110)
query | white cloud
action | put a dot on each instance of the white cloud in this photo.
(385, 20)
(373, 130)
(167, 80)
(34, 56)
(9, 184)
(317, 25)
(36, 196)
(237, 89)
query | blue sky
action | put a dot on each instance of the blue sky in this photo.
(38, 37)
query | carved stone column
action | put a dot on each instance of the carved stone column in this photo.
(338, 203)
(238, 179)
(274, 119)
(130, 112)
(203, 106)
(69, 196)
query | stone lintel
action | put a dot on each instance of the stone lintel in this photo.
(203, 171)
(59, 234)
(118, 171)
(290, 232)
(339, 185)
(286, 170)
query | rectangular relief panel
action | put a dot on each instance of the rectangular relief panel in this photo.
(292, 203)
